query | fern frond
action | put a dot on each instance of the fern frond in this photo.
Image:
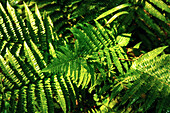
(112, 11)
(154, 12)
(42, 96)
(152, 18)
(151, 83)
(148, 56)
(49, 95)
(57, 90)
(32, 59)
(8, 72)
(15, 19)
(32, 105)
(15, 64)
(33, 29)
(161, 4)
(93, 48)
(22, 100)
(26, 48)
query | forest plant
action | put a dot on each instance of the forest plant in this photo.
(145, 87)
(149, 17)
(26, 47)
(96, 61)
(65, 13)
(94, 49)
(133, 87)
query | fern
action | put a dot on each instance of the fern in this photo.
(93, 47)
(26, 49)
(151, 80)
(65, 13)
(146, 83)
(150, 17)
(39, 72)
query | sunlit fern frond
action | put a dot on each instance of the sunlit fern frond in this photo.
(96, 50)
(67, 13)
(27, 46)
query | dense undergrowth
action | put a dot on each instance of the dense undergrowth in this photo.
(84, 56)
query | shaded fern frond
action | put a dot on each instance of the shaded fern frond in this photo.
(149, 17)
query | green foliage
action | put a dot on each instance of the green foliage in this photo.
(149, 73)
(65, 13)
(112, 11)
(149, 17)
(98, 70)
(142, 88)
(93, 49)
(26, 48)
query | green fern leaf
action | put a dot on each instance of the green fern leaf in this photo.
(13, 61)
(8, 71)
(161, 4)
(33, 29)
(150, 55)
(41, 97)
(32, 105)
(35, 48)
(49, 95)
(3, 27)
(154, 12)
(122, 55)
(57, 88)
(151, 83)
(112, 11)
(116, 60)
(115, 16)
(32, 60)
(22, 102)
(13, 15)
(14, 100)
(71, 90)
(123, 39)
